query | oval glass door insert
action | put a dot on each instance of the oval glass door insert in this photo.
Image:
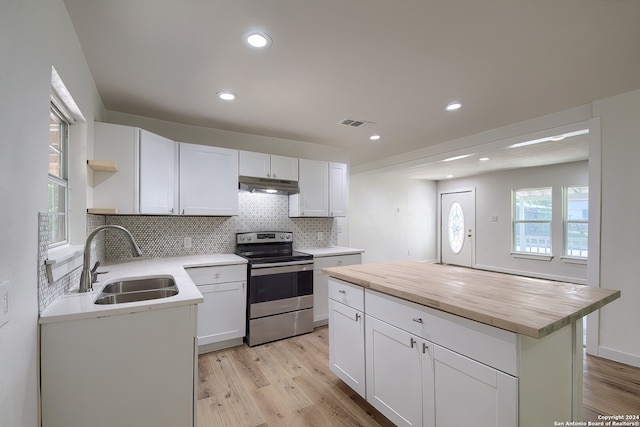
(456, 228)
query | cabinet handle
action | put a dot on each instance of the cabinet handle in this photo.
(182, 211)
(412, 342)
(357, 317)
(171, 211)
(342, 291)
(417, 319)
(424, 347)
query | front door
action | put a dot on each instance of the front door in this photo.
(457, 224)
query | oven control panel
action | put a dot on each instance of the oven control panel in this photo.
(264, 237)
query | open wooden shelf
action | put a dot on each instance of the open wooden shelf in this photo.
(100, 165)
(102, 211)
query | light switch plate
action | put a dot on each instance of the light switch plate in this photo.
(4, 303)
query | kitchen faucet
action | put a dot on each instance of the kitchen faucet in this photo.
(89, 276)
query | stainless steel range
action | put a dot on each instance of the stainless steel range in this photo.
(280, 286)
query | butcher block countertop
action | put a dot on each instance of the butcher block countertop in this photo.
(524, 305)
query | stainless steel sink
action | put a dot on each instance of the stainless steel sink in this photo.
(136, 285)
(133, 290)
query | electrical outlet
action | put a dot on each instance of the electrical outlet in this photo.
(4, 303)
(320, 236)
(188, 242)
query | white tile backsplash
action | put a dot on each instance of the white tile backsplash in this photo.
(163, 236)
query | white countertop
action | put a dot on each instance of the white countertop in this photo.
(330, 251)
(80, 306)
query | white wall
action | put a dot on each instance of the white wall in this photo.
(34, 36)
(611, 330)
(239, 141)
(392, 217)
(620, 233)
(493, 198)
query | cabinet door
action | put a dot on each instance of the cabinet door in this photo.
(283, 167)
(116, 190)
(254, 164)
(158, 176)
(313, 199)
(489, 397)
(394, 373)
(320, 297)
(222, 315)
(346, 345)
(338, 189)
(321, 283)
(208, 180)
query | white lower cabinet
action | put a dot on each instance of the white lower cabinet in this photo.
(471, 393)
(132, 369)
(222, 315)
(400, 378)
(321, 282)
(423, 367)
(346, 334)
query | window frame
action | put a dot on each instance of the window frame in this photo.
(58, 110)
(516, 222)
(566, 222)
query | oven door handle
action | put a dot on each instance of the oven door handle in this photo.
(280, 264)
(277, 268)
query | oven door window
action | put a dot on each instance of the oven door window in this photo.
(265, 286)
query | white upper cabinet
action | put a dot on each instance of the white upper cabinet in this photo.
(338, 189)
(313, 199)
(158, 174)
(262, 165)
(208, 180)
(324, 190)
(116, 190)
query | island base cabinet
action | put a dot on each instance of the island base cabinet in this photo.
(346, 345)
(399, 374)
(134, 369)
(469, 393)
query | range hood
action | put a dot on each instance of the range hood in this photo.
(266, 185)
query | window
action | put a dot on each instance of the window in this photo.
(532, 210)
(58, 191)
(576, 221)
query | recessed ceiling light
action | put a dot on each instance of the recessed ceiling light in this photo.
(258, 39)
(449, 176)
(226, 95)
(484, 159)
(374, 137)
(453, 106)
(463, 156)
(557, 138)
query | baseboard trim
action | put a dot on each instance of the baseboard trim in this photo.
(619, 356)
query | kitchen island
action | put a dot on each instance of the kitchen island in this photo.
(438, 345)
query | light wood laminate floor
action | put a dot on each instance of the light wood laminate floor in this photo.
(289, 383)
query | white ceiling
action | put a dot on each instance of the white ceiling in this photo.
(393, 62)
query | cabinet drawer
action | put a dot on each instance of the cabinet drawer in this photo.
(346, 293)
(217, 274)
(491, 346)
(336, 261)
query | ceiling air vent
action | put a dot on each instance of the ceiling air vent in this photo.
(362, 124)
